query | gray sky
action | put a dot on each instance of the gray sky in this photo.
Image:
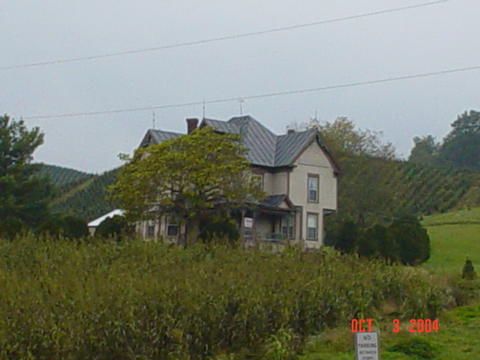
(415, 41)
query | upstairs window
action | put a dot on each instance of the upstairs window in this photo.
(313, 185)
(312, 227)
(258, 180)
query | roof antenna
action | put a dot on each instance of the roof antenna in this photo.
(204, 108)
(153, 120)
(241, 102)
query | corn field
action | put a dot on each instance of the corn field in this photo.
(141, 300)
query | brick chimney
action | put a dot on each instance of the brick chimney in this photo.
(192, 124)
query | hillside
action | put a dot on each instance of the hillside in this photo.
(454, 237)
(430, 189)
(62, 176)
(87, 199)
(415, 188)
(373, 190)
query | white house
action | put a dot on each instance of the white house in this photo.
(297, 172)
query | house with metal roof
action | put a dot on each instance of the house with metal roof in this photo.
(297, 172)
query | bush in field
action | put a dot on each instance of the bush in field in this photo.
(144, 300)
(412, 239)
(468, 272)
(114, 227)
(405, 241)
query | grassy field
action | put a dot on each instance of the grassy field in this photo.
(455, 236)
(456, 340)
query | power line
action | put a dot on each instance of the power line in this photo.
(261, 96)
(220, 38)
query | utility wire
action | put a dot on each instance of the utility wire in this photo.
(220, 38)
(261, 96)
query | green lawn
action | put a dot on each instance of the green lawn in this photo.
(465, 216)
(454, 237)
(456, 340)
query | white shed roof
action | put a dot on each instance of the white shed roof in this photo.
(111, 214)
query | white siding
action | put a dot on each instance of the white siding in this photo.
(313, 161)
(280, 183)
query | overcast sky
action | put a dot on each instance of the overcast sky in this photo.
(415, 41)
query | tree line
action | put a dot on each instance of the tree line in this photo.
(460, 148)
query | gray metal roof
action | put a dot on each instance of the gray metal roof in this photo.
(290, 145)
(264, 147)
(222, 126)
(157, 137)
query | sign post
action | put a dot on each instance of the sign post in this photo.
(366, 346)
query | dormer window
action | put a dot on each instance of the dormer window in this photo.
(313, 185)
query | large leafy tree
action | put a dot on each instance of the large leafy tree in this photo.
(425, 150)
(461, 147)
(24, 196)
(194, 177)
(366, 162)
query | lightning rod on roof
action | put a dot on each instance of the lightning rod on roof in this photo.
(153, 120)
(241, 102)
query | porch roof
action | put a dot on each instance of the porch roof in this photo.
(275, 202)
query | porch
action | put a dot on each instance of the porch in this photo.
(274, 221)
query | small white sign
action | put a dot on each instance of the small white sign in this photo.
(248, 222)
(366, 346)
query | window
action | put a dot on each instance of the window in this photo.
(312, 227)
(258, 180)
(150, 230)
(172, 226)
(312, 188)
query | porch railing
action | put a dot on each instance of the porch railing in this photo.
(272, 237)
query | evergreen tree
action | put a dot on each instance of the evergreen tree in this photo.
(24, 195)
(468, 272)
(461, 148)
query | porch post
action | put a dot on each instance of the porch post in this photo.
(242, 226)
(254, 228)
